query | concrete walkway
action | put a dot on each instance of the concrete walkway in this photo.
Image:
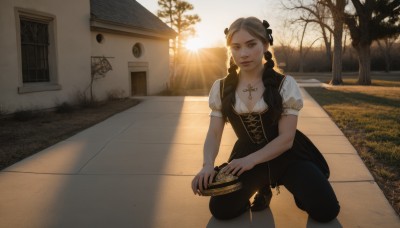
(135, 169)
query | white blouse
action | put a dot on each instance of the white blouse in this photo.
(290, 92)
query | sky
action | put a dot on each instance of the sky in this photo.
(216, 15)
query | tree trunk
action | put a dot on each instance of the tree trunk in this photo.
(301, 59)
(328, 48)
(91, 89)
(337, 43)
(387, 63)
(301, 63)
(364, 63)
(387, 60)
(337, 55)
(385, 50)
(344, 44)
(288, 63)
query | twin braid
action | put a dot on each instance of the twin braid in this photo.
(271, 83)
(230, 83)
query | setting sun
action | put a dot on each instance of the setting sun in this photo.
(194, 44)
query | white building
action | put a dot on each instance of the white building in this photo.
(49, 47)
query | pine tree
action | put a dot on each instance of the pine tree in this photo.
(174, 13)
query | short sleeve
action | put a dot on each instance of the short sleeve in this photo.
(214, 99)
(291, 97)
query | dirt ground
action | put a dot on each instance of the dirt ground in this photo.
(25, 133)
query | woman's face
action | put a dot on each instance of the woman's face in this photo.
(247, 50)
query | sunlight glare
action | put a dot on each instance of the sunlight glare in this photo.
(194, 44)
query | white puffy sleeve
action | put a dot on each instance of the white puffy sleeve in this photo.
(291, 97)
(214, 99)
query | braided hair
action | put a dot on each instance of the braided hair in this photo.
(270, 77)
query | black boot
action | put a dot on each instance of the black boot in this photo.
(261, 200)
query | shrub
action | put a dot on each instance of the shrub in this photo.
(83, 100)
(25, 115)
(65, 107)
(3, 112)
(115, 94)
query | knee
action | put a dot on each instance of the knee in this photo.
(222, 211)
(325, 212)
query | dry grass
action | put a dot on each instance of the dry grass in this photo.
(26, 132)
(369, 117)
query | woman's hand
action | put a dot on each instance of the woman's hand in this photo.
(239, 166)
(202, 179)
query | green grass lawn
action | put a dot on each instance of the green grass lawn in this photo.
(369, 116)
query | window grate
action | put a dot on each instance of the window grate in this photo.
(35, 51)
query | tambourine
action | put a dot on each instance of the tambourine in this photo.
(222, 183)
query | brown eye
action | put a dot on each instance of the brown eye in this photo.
(235, 48)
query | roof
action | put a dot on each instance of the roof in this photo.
(128, 14)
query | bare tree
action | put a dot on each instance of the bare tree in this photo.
(316, 13)
(303, 53)
(337, 11)
(386, 49)
(372, 20)
(99, 67)
(324, 17)
(285, 50)
(301, 59)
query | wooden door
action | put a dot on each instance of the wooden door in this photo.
(138, 84)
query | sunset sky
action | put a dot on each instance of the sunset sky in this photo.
(216, 15)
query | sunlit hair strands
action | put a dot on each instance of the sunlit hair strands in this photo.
(253, 26)
(259, 30)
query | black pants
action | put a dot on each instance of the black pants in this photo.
(310, 188)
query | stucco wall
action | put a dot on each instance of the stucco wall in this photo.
(72, 52)
(74, 44)
(119, 47)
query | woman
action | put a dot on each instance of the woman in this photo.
(262, 106)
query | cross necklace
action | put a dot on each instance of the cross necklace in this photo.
(250, 89)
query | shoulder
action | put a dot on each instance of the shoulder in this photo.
(290, 78)
(280, 79)
(288, 83)
(216, 89)
(218, 82)
(216, 85)
(214, 99)
(291, 96)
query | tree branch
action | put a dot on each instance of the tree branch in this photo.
(319, 22)
(358, 5)
(309, 47)
(385, 14)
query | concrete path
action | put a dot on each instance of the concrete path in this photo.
(135, 169)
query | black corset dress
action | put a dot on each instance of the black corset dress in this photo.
(255, 130)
